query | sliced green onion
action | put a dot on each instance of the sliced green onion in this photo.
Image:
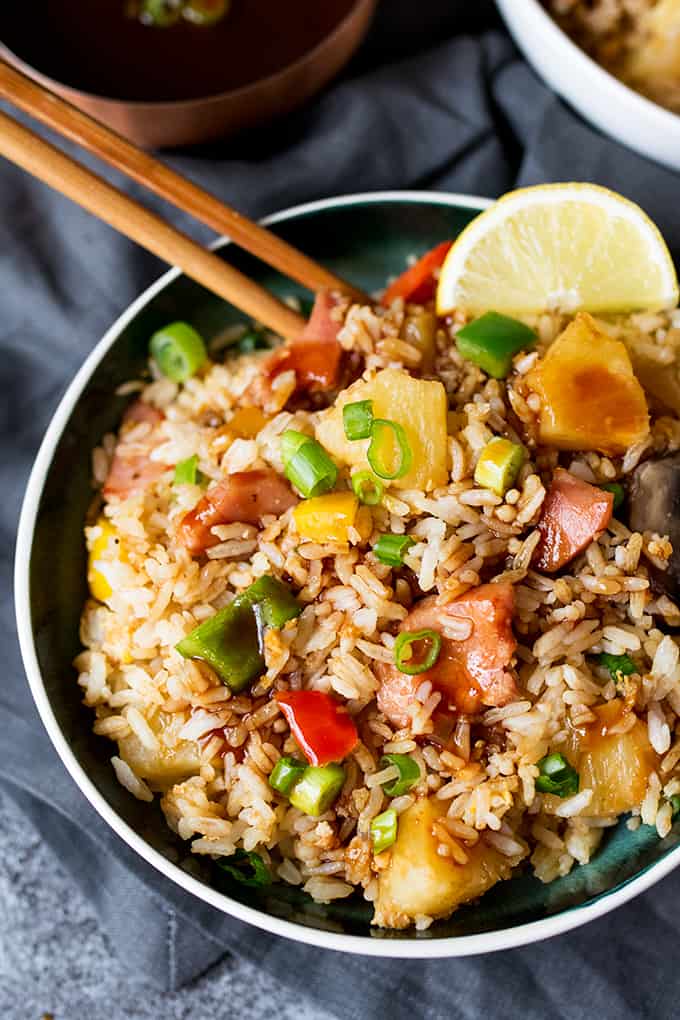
(384, 830)
(291, 442)
(389, 452)
(499, 464)
(409, 774)
(307, 465)
(367, 488)
(619, 493)
(247, 868)
(205, 12)
(357, 419)
(252, 340)
(674, 802)
(404, 658)
(617, 665)
(318, 787)
(186, 472)
(286, 774)
(160, 13)
(178, 350)
(390, 549)
(557, 776)
(491, 342)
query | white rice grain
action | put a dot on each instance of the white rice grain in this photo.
(574, 805)
(384, 776)
(619, 637)
(323, 890)
(132, 783)
(657, 728)
(505, 845)
(141, 729)
(496, 715)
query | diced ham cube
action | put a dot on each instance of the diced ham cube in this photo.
(469, 672)
(573, 514)
(244, 497)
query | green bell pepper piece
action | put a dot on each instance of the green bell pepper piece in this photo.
(492, 340)
(231, 641)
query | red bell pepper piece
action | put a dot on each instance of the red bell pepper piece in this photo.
(418, 284)
(321, 726)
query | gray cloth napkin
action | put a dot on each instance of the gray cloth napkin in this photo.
(423, 106)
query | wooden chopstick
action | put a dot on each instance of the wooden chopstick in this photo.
(54, 167)
(70, 122)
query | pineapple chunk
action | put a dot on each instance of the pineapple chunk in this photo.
(418, 405)
(615, 766)
(660, 380)
(173, 761)
(418, 881)
(590, 397)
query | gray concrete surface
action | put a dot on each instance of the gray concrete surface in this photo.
(55, 960)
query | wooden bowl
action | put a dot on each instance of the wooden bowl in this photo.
(188, 122)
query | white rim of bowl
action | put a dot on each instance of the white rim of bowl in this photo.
(666, 119)
(415, 947)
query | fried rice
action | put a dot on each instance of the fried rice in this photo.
(208, 752)
(637, 40)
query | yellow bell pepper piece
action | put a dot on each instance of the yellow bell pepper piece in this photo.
(499, 464)
(327, 518)
(104, 548)
(247, 422)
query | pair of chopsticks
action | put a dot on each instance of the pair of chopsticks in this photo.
(48, 163)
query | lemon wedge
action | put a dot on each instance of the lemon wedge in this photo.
(559, 246)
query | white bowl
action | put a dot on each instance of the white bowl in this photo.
(605, 101)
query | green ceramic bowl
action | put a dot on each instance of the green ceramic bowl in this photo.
(365, 238)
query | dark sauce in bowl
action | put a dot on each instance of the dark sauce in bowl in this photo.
(96, 48)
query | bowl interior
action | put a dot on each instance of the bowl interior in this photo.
(366, 241)
(138, 63)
